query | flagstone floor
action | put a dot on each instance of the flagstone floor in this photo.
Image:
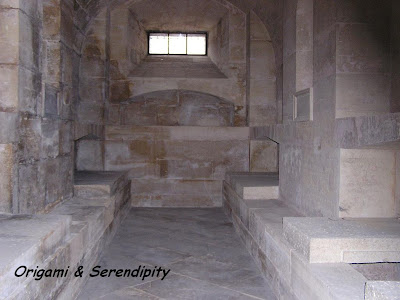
(200, 247)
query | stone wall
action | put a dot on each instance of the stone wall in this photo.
(175, 165)
(363, 80)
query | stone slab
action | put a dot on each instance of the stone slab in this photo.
(322, 240)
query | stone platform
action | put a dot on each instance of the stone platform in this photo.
(73, 234)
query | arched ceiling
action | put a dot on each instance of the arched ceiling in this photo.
(182, 15)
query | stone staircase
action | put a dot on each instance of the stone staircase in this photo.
(71, 235)
(309, 258)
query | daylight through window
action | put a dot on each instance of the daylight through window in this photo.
(178, 43)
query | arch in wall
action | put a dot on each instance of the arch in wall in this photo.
(175, 108)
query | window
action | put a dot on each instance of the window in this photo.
(165, 43)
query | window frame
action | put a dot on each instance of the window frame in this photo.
(177, 32)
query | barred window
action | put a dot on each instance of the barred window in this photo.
(177, 43)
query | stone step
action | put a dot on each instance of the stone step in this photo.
(322, 240)
(28, 241)
(98, 184)
(254, 186)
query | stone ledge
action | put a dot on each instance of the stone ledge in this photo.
(255, 186)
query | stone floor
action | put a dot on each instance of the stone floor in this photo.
(206, 258)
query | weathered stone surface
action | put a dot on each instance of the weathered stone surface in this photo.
(368, 131)
(379, 271)
(325, 281)
(6, 177)
(255, 185)
(177, 153)
(176, 107)
(9, 32)
(9, 87)
(32, 188)
(8, 127)
(50, 138)
(28, 240)
(175, 193)
(89, 155)
(367, 182)
(382, 290)
(263, 156)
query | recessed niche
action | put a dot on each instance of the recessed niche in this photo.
(303, 105)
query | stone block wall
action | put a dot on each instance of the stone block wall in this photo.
(176, 166)
(38, 58)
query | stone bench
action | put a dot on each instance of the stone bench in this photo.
(73, 234)
(291, 276)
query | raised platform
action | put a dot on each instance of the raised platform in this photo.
(71, 235)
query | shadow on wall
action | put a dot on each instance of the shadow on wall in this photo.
(174, 108)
